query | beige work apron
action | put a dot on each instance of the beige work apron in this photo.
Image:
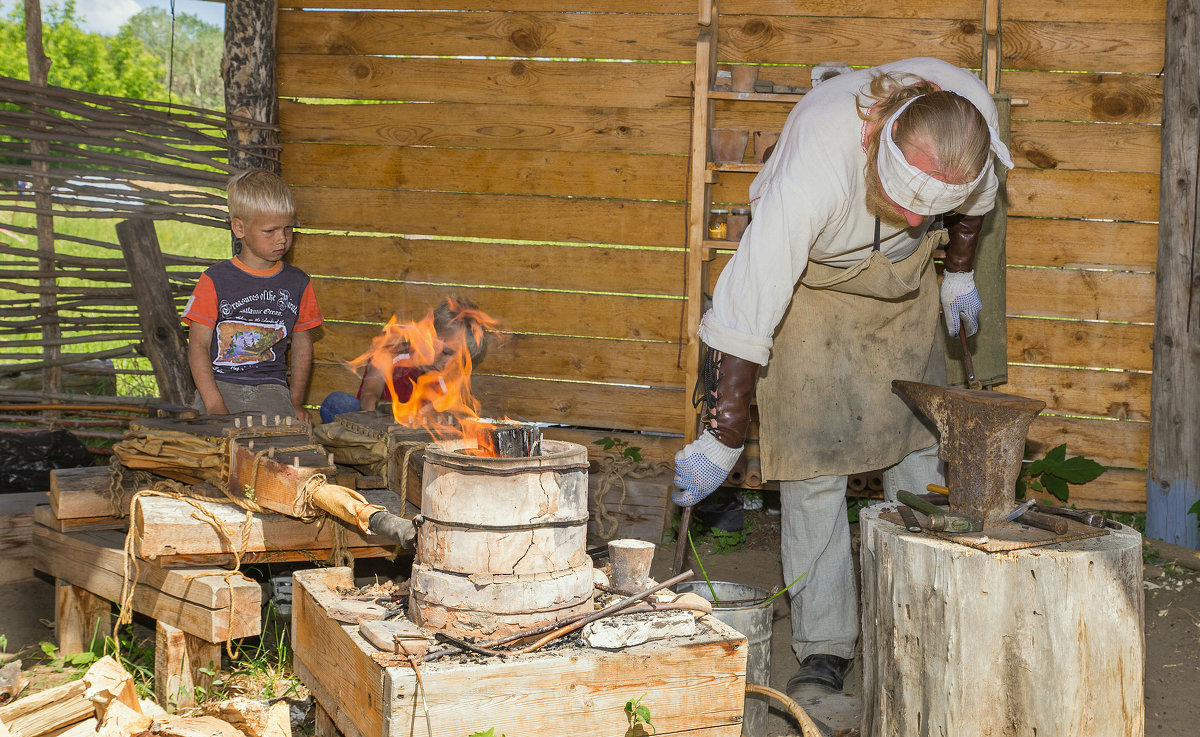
(825, 400)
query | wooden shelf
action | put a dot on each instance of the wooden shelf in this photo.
(746, 96)
(729, 166)
(711, 247)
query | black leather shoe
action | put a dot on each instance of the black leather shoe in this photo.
(827, 672)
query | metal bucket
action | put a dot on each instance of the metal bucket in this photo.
(752, 617)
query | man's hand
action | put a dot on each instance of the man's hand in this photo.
(959, 295)
(701, 467)
(301, 411)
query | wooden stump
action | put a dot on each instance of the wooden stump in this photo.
(80, 618)
(1040, 641)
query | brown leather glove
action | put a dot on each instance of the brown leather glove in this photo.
(964, 233)
(726, 386)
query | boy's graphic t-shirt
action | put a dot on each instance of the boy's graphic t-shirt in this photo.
(253, 315)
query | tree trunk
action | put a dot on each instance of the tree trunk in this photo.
(162, 335)
(1039, 641)
(248, 70)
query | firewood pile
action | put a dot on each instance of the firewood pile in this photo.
(104, 703)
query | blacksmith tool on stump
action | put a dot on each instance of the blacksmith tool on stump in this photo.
(982, 442)
(972, 382)
(939, 519)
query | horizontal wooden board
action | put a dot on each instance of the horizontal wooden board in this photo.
(1118, 395)
(606, 406)
(1102, 98)
(540, 127)
(1081, 244)
(895, 8)
(539, 356)
(1125, 444)
(582, 405)
(491, 33)
(1116, 490)
(518, 310)
(1146, 11)
(532, 266)
(624, 84)
(1083, 194)
(512, 217)
(521, 172)
(1128, 45)
(861, 41)
(1080, 295)
(1085, 344)
(1048, 144)
(653, 448)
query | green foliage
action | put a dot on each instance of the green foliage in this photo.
(620, 448)
(637, 713)
(83, 61)
(489, 732)
(197, 51)
(1055, 473)
(1195, 509)
(854, 505)
(724, 541)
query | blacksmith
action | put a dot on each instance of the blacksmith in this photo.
(832, 290)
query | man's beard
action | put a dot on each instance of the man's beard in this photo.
(877, 203)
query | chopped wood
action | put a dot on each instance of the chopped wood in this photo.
(255, 717)
(195, 727)
(47, 711)
(86, 728)
(109, 684)
(121, 721)
(350, 611)
(383, 634)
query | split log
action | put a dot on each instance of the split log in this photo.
(958, 641)
(109, 685)
(47, 711)
(195, 727)
(255, 717)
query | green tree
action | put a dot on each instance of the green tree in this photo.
(198, 47)
(88, 62)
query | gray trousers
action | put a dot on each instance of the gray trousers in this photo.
(267, 399)
(815, 541)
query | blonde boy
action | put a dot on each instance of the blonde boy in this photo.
(245, 312)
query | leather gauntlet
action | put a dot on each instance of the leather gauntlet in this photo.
(725, 386)
(964, 233)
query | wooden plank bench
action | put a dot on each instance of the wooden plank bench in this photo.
(693, 686)
(195, 609)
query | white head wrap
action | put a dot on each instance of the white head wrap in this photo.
(916, 191)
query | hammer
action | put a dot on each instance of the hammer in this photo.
(939, 520)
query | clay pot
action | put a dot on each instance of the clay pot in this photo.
(728, 144)
(763, 140)
(744, 77)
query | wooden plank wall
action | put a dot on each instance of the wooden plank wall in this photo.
(527, 158)
(497, 155)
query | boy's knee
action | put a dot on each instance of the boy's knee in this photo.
(338, 403)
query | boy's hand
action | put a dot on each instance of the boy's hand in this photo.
(301, 412)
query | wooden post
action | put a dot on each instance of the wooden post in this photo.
(1173, 479)
(183, 664)
(39, 70)
(162, 335)
(249, 73)
(80, 618)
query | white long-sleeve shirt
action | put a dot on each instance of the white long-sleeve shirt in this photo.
(808, 203)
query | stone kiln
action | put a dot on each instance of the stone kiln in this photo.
(502, 544)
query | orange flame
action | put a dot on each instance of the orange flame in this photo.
(438, 370)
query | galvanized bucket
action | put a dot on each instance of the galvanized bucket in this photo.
(745, 609)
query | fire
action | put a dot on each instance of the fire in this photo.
(435, 356)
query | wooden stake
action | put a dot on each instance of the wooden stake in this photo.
(183, 664)
(80, 618)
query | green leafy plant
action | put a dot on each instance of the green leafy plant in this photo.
(620, 448)
(727, 542)
(1055, 473)
(637, 713)
(489, 732)
(1195, 509)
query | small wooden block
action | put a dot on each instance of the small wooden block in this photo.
(369, 482)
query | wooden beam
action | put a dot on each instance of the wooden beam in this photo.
(184, 666)
(80, 618)
(1173, 483)
(162, 334)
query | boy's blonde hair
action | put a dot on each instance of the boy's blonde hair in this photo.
(258, 192)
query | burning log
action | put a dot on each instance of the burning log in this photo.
(508, 439)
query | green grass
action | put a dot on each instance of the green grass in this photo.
(182, 239)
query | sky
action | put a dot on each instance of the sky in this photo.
(106, 16)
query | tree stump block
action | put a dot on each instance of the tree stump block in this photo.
(1038, 641)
